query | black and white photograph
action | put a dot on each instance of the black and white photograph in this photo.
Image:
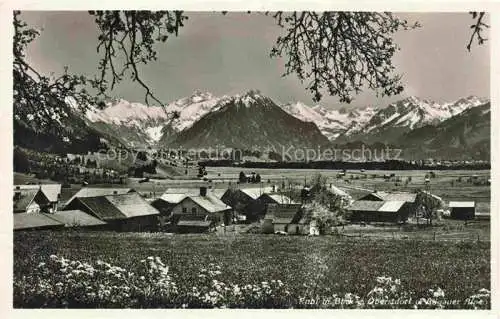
(251, 159)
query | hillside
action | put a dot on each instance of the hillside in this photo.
(251, 121)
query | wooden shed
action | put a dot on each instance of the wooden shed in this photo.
(462, 210)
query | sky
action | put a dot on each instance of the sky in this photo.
(229, 54)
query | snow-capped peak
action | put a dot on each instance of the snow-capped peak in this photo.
(410, 112)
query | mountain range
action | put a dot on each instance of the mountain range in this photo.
(251, 121)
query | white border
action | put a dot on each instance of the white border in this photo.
(6, 175)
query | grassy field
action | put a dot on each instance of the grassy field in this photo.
(445, 184)
(308, 266)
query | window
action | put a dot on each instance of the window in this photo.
(193, 210)
(184, 210)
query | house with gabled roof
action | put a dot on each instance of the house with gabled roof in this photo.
(378, 211)
(410, 200)
(121, 212)
(30, 201)
(203, 206)
(245, 201)
(51, 191)
(288, 218)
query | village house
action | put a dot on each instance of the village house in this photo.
(245, 201)
(168, 200)
(270, 199)
(462, 210)
(378, 211)
(95, 192)
(51, 191)
(30, 201)
(201, 207)
(287, 218)
(121, 212)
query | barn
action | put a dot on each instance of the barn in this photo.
(96, 191)
(78, 219)
(409, 199)
(122, 212)
(28, 221)
(377, 211)
(30, 201)
(462, 210)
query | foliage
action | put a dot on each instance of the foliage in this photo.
(478, 28)
(242, 178)
(127, 39)
(341, 52)
(42, 100)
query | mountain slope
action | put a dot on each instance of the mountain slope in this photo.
(140, 125)
(249, 122)
(464, 136)
(376, 124)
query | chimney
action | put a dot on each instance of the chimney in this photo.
(203, 191)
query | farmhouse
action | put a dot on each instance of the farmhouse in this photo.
(27, 221)
(288, 218)
(201, 207)
(245, 201)
(378, 211)
(95, 192)
(462, 210)
(165, 204)
(77, 218)
(122, 212)
(31, 201)
(409, 207)
(51, 191)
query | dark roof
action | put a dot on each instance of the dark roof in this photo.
(102, 207)
(24, 197)
(284, 213)
(51, 191)
(75, 218)
(34, 220)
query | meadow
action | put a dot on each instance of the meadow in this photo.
(246, 270)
